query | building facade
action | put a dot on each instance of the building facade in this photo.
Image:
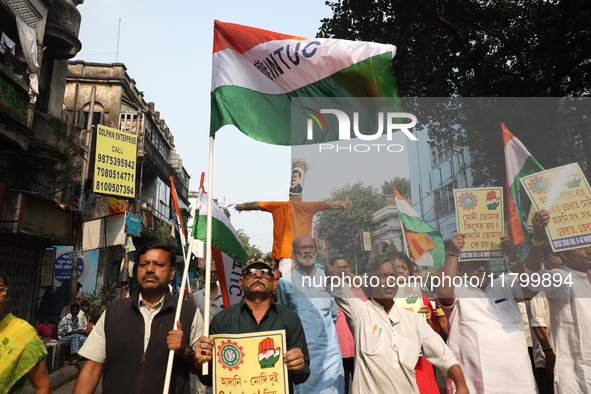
(117, 103)
(436, 169)
(37, 37)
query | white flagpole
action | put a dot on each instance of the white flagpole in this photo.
(208, 248)
(404, 244)
(177, 317)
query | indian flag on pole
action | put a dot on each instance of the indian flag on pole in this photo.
(425, 244)
(227, 250)
(257, 72)
(519, 163)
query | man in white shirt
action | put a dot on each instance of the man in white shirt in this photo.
(388, 339)
(568, 292)
(486, 326)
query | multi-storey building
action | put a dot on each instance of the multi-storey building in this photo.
(119, 104)
(37, 37)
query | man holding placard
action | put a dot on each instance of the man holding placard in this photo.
(486, 326)
(258, 313)
(568, 291)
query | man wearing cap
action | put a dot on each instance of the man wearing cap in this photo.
(257, 312)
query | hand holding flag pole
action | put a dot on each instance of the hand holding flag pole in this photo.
(179, 226)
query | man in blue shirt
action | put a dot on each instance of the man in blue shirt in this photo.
(302, 290)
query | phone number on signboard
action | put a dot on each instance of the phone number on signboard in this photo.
(115, 174)
(115, 161)
(114, 188)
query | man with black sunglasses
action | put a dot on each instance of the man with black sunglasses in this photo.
(257, 312)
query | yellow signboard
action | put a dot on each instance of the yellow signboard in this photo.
(250, 363)
(564, 192)
(366, 241)
(114, 167)
(479, 216)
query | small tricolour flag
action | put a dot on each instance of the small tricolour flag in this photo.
(177, 217)
(227, 250)
(425, 244)
(257, 72)
(519, 163)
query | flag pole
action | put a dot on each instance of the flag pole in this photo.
(207, 303)
(404, 243)
(177, 317)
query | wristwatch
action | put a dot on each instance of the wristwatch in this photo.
(189, 353)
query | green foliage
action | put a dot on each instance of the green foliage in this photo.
(341, 229)
(401, 184)
(98, 302)
(163, 230)
(475, 48)
(391, 248)
(245, 240)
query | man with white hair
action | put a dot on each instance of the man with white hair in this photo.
(302, 292)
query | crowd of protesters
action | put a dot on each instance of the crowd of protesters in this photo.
(350, 339)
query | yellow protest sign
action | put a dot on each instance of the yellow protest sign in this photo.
(366, 241)
(114, 166)
(564, 192)
(479, 216)
(250, 363)
(409, 297)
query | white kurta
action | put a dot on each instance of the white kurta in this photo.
(387, 346)
(486, 335)
(570, 316)
(538, 312)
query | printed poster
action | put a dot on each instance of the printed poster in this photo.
(250, 363)
(87, 267)
(479, 216)
(564, 192)
(409, 297)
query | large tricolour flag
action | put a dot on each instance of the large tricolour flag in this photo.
(425, 244)
(227, 250)
(256, 73)
(519, 163)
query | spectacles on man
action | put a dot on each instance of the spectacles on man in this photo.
(3, 290)
(306, 247)
(475, 264)
(250, 273)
